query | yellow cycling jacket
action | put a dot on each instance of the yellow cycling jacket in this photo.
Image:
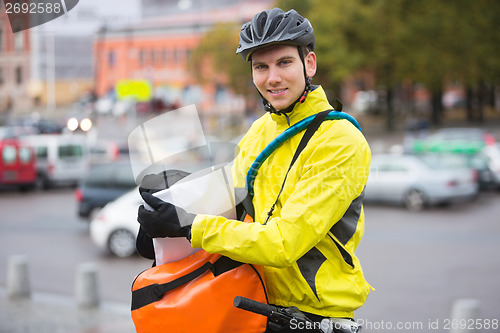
(307, 247)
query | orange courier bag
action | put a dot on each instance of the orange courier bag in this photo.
(196, 294)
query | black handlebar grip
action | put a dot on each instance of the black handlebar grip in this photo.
(253, 306)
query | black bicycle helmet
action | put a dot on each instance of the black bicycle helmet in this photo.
(275, 26)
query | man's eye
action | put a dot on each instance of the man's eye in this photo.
(259, 66)
(284, 62)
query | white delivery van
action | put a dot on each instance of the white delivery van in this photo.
(61, 159)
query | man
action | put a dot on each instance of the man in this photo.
(307, 244)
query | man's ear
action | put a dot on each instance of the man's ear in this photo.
(310, 62)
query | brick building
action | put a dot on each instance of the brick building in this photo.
(157, 49)
(14, 62)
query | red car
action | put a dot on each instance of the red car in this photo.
(17, 164)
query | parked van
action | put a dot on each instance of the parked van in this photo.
(17, 164)
(60, 159)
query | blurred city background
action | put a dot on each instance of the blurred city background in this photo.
(421, 77)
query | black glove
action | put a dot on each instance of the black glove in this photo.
(155, 182)
(165, 220)
(144, 244)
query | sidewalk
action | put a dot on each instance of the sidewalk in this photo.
(47, 313)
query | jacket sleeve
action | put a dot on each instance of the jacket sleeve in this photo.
(331, 173)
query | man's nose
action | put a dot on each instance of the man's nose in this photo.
(274, 76)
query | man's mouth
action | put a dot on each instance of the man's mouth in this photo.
(276, 91)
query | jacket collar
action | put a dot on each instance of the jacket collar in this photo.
(315, 102)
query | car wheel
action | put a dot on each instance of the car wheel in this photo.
(42, 182)
(414, 200)
(121, 243)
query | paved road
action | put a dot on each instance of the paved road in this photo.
(419, 263)
(44, 227)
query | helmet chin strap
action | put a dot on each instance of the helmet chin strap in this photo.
(269, 108)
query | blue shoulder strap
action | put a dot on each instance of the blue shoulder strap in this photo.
(287, 134)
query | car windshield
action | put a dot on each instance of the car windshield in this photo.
(444, 161)
(112, 175)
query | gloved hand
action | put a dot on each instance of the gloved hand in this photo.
(153, 183)
(156, 182)
(165, 220)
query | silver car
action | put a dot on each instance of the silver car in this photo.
(420, 180)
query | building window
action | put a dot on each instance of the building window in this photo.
(153, 57)
(19, 75)
(146, 57)
(111, 59)
(159, 59)
(141, 57)
(177, 54)
(180, 56)
(165, 55)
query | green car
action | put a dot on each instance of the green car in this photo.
(454, 140)
(469, 142)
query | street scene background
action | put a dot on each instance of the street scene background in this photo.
(420, 263)
(103, 68)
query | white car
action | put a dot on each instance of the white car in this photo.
(420, 180)
(115, 227)
(492, 154)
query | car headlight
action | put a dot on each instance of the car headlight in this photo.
(86, 124)
(72, 124)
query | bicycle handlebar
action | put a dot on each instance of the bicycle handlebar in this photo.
(254, 306)
(279, 318)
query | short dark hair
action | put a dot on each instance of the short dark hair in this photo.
(305, 50)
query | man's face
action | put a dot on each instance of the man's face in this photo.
(278, 74)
